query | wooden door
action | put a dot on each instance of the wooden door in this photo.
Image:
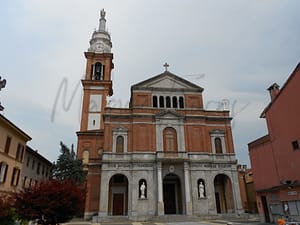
(118, 204)
(218, 203)
(170, 198)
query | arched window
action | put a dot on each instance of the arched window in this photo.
(181, 102)
(85, 157)
(201, 188)
(161, 102)
(142, 189)
(218, 145)
(174, 101)
(168, 102)
(154, 101)
(120, 144)
(170, 139)
(98, 71)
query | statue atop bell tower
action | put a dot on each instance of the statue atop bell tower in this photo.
(101, 42)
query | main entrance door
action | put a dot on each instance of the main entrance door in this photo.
(172, 194)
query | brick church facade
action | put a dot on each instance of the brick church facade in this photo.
(164, 154)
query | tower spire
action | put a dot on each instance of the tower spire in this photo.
(100, 41)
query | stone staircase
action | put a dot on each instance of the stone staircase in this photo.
(219, 218)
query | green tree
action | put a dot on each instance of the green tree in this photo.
(68, 166)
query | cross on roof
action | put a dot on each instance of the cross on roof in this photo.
(166, 65)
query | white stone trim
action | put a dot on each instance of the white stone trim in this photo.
(217, 134)
(177, 124)
(120, 132)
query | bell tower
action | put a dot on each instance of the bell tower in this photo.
(97, 84)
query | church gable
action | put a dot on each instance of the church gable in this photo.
(167, 80)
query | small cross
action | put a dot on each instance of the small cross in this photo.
(166, 65)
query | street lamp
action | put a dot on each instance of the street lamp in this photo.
(2, 85)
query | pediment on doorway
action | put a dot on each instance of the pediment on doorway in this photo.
(169, 114)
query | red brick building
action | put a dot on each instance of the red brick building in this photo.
(164, 154)
(275, 157)
(248, 194)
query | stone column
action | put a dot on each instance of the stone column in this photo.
(187, 189)
(160, 203)
(236, 193)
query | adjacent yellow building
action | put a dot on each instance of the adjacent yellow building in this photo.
(12, 150)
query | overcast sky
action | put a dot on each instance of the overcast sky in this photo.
(234, 49)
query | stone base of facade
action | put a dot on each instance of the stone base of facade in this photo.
(189, 208)
(160, 209)
(89, 215)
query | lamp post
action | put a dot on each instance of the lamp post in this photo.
(2, 85)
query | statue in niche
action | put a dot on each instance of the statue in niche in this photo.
(201, 190)
(143, 189)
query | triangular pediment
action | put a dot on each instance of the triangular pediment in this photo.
(169, 114)
(167, 80)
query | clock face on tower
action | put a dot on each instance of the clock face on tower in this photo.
(100, 47)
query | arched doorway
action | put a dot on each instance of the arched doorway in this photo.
(223, 194)
(118, 195)
(172, 194)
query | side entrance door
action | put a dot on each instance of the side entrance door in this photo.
(118, 204)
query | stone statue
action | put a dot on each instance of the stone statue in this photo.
(102, 13)
(108, 101)
(201, 190)
(143, 189)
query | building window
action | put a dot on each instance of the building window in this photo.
(20, 152)
(7, 144)
(154, 99)
(15, 177)
(161, 102)
(43, 170)
(33, 164)
(28, 161)
(98, 71)
(38, 168)
(170, 139)
(174, 101)
(24, 181)
(217, 138)
(46, 172)
(3, 171)
(120, 136)
(120, 144)
(168, 102)
(295, 145)
(30, 182)
(218, 145)
(142, 189)
(181, 102)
